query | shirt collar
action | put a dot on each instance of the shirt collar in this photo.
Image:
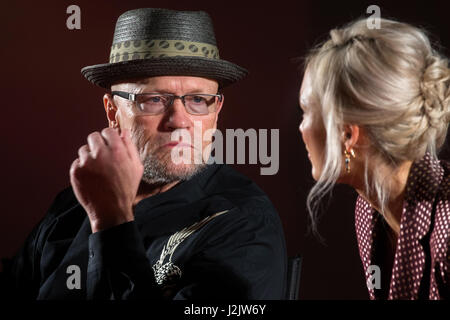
(182, 193)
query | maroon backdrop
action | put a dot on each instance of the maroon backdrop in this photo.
(48, 109)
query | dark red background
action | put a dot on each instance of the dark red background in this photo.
(48, 109)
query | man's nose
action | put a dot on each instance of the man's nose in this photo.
(177, 116)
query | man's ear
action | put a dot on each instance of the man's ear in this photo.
(351, 136)
(111, 111)
(219, 105)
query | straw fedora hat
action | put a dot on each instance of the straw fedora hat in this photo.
(158, 42)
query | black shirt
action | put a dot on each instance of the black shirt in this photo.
(238, 253)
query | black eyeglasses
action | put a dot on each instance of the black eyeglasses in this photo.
(157, 103)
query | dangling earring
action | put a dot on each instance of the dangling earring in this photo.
(347, 159)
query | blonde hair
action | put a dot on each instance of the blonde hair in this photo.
(391, 82)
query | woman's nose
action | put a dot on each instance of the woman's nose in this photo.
(300, 127)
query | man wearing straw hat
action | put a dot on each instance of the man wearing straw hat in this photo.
(135, 224)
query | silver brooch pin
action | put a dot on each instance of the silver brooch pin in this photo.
(167, 272)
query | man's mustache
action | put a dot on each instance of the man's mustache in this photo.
(151, 143)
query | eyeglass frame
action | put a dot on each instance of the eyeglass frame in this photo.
(133, 97)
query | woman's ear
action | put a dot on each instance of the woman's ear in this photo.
(351, 136)
(111, 111)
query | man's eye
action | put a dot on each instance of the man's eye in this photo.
(150, 99)
(155, 99)
(198, 99)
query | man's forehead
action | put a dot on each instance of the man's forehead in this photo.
(167, 83)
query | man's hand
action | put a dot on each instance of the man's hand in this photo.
(106, 176)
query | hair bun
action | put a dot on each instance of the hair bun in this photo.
(435, 87)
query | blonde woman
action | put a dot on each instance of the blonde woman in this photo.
(376, 109)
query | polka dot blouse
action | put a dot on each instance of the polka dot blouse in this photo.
(421, 256)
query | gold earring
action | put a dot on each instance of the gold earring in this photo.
(347, 159)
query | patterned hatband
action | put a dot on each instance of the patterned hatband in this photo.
(146, 49)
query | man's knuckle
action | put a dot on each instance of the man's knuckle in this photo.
(96, 154)
(75, 170)
(93, 135)
(74, 165)
(108, 131)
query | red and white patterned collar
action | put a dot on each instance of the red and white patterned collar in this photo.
(409, 262)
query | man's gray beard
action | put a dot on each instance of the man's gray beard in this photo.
(157, 171)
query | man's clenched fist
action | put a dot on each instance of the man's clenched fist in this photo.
(105, 178)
